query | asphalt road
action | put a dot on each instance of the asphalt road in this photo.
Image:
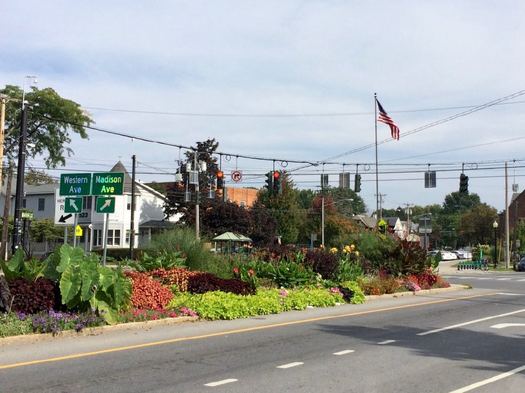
(470, 340)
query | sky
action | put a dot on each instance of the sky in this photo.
(287, 80)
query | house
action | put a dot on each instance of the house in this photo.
(516, 211)
(395, 226)
(365, 221)
(149, 213)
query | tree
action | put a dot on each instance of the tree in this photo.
(284, 208)
(51, 120)
(457, 202)
(219, 217)
(175, 193)
(37, 178)
(475, 226)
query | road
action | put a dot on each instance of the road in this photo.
(468, 340)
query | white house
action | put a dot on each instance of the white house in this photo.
(149, 213)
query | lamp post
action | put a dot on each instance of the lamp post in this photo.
(495, 226)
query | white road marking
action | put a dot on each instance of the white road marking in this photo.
(218, 383)
(505, 325)
(484, 278)
(509, 294)
(386, 342)
(470, 322)
(522, 280)
(504, 278)
(489, 380)
(289, 365)
(345, 352)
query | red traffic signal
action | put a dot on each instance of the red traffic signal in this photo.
(220, 179)
(220, 174)
(276, 175)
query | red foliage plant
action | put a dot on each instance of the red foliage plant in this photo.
(174, 276)
(31, 297)
(148, 294)
(206, 282)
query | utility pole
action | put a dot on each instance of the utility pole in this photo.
(3, 101)
(380, 200)
(132, 229)
(7, 208)
(197, 190)
(507, 230)
(408, 211)
(17, 230)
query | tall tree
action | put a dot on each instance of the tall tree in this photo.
(36, 178)
(457, 202)
(475, 226)
(51, 120)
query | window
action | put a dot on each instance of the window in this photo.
(113, 237)
(41, 204)
(128, 204)
(97, 237)
(86, 203)
(24, 203)
(128, 232)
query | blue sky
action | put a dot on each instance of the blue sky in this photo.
(284, 57)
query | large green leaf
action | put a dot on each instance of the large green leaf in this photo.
(100, 303)
(70, 283)
(89, 277)
(69, 255)
(121, 291)
(107, 278)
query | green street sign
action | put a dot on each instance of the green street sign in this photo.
(105, 205)
(108, 183)
(28, 215)
(73, 205)
(75, 184)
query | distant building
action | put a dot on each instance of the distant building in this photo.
(516, 211)
(149, 217)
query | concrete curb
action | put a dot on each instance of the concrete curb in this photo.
(453, 287)
(94, 331)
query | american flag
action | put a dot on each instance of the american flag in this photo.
(384, 118)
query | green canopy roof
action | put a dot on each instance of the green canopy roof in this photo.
(230, 236)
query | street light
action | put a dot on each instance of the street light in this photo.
(495, 226)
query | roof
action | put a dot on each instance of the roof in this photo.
(369, 222)
(232, 237)
(119, 167)
(157, 224)
(41, 189)
(392, 221)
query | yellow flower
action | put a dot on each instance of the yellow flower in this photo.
(357, 253)
(347, 249)
(333, 250)
(352, 247)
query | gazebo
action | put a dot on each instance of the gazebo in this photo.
(231, 238)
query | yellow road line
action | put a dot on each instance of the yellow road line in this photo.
(234, 331)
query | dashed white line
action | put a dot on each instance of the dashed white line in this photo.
(489, 380)
(386, 342)
(219, 383)
(345, 352)
(290, 365)
(522, 280)
(506, 325)
(504, 278)
(470, 322)
(509, 294)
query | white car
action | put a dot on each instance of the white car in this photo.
(448, 255)
(463, 254)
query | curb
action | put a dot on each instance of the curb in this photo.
(95, 331)
(453, 287)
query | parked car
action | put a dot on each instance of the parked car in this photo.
(448, 255)
(463, 254)
(520, 266)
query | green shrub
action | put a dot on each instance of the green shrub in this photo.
(85, 284)
(11, 325)
(376, 249)
(221, 305)
(349, 270)
(352, 292)
(285, 274)
(18, 267)
(160, 260)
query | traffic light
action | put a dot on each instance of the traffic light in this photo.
(357, 183)
(220, 180)
(463, 184)
(277, 183)
(269, 182)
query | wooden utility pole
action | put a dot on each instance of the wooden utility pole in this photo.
(7, 207)
(3, 100)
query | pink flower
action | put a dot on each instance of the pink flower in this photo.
(235, 270)
(283, 293)
(251, 272)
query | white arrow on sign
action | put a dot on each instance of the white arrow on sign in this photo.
(107, 203)
(506, 325)
(73, 204)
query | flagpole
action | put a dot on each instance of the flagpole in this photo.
(377, 168)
